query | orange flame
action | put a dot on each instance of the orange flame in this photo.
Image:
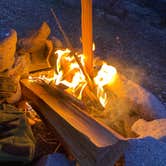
(69, 74)
(105, 76)
(78, 77)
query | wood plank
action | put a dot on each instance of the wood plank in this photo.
(86, 22)
(91, 142)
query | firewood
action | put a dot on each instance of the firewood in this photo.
(7, 49)
(54, 90)
(92, 143)
(90, 99)
(21, 65)
(73, 52)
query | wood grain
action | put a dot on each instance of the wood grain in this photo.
(92, 143)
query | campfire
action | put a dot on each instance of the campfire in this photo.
(69, 75)
(94, 108)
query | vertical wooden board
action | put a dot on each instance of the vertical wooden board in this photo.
(86, 21)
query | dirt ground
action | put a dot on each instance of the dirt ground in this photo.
(135, 48)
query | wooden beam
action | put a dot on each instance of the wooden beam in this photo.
(87, 43)
(92, 143)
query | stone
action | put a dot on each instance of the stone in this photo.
(19, 69)
(37, 41)
(37, 46)
(155, 128)
(128, 102)
(55, 159)
(145, 152)
(8, 40)
(148, 106)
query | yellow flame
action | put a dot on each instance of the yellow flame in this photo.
(77, 79)
(105, 76)
(60, 54)
(93, 47)
(68, 73)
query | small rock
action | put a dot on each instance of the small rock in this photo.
(8, 39)
(155, 128)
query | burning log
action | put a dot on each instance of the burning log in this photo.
(91, 142)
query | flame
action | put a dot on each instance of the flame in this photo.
(68, 73)
(105, 76)
(77, 77)
(93, 47)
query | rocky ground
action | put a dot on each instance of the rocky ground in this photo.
(130, 35)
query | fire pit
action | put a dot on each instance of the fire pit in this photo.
(88, 102)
